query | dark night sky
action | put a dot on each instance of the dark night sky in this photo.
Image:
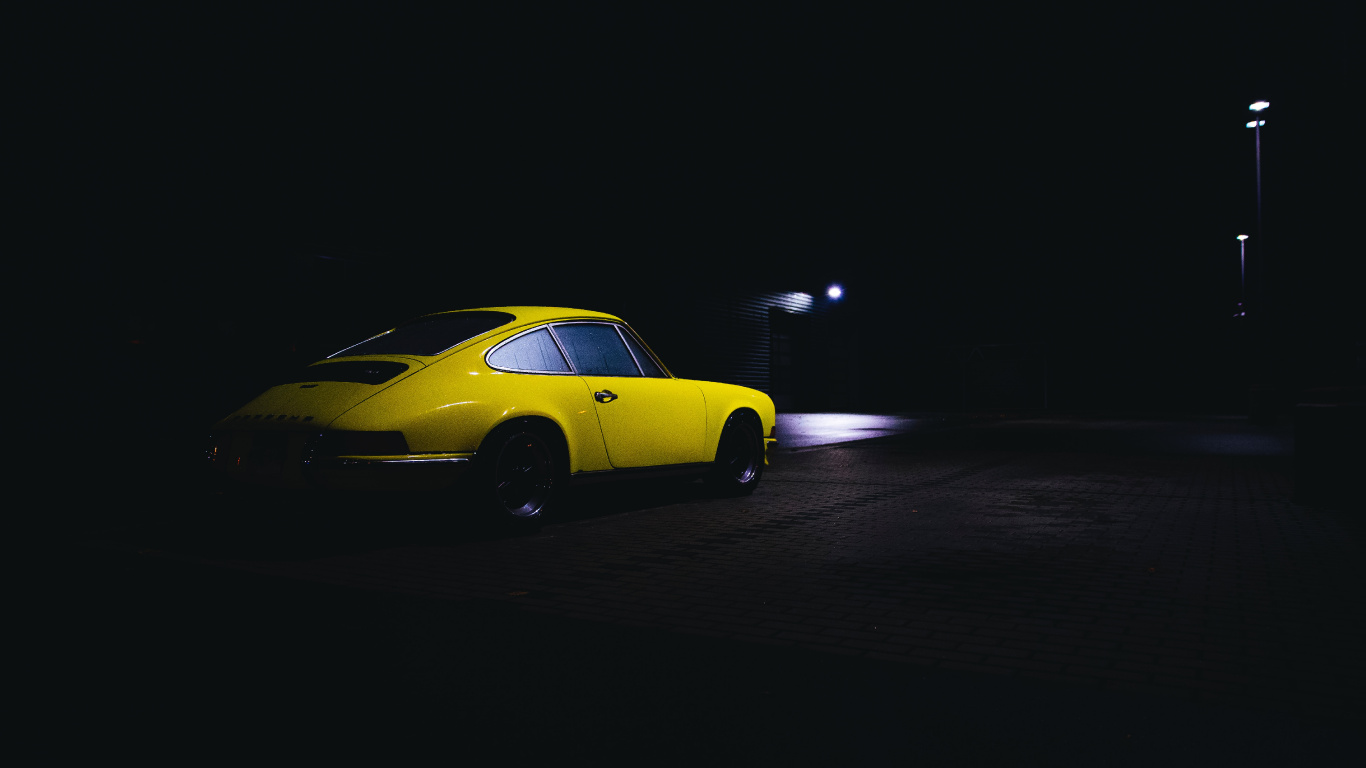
(989, 172)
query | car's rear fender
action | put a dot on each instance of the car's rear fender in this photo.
(449, 409)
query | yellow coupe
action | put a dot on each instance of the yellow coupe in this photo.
(513, 402)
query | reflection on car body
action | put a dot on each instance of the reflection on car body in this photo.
(515, 402)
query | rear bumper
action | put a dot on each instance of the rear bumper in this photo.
(398, 473)
(291, 460)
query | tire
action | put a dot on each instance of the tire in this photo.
(520, 474)
(739, 457)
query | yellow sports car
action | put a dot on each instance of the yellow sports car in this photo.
(513, 402)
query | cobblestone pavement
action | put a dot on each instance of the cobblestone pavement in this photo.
(1166, 572)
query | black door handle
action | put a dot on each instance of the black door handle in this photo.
(605, 396)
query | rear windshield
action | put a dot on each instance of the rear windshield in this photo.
(429, 335)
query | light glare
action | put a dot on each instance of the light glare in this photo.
(1258, 106)
(1242, 237)
(834, 292)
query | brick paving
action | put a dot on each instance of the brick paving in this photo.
(1185, 576)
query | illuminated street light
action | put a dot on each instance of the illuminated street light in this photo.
(834, 291)
(1242, 275)
(1256, 126)
(1261, 249)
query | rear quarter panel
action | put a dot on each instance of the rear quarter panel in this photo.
(452, 404)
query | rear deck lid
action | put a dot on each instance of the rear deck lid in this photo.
(315, 396)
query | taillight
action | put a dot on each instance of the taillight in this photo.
(218, 448)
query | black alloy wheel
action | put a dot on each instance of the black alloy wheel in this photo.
(522, 474)
(739, 457)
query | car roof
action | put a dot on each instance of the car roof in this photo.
(526, 315)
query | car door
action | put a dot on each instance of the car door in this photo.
(647, 418)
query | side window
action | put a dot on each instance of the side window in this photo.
(647, 363)
(533, 352)
(596, 350)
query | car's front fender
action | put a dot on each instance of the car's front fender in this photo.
(725, 399)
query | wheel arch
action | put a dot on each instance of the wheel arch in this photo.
(742, 411)
(542, 424)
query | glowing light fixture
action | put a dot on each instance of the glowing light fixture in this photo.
(834, 291)
(1256, 126)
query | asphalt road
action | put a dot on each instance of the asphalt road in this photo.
(1042, 592)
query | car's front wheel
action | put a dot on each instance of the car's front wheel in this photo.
(519, 473)
(739, 457)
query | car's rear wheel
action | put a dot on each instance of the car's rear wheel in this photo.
(739, 457)
(520, 473)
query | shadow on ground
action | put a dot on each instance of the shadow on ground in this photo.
(198, 520)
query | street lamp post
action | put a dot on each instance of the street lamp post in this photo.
(1256, 126)
(1267, 379)
(1242, 276)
